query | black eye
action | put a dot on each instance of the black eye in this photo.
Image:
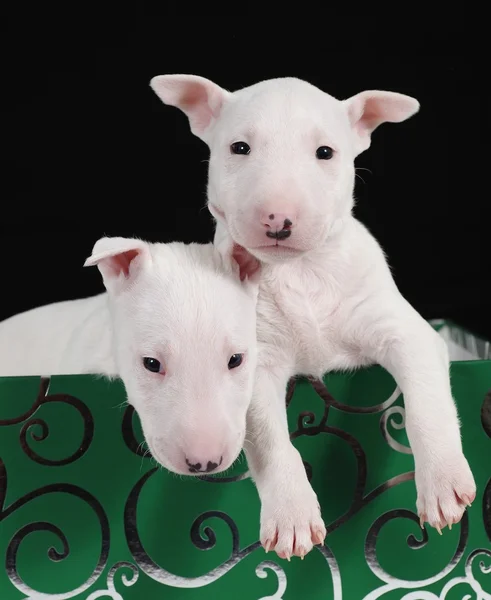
(152, 364)
(240, 148)
(324, 153)
(235, 361)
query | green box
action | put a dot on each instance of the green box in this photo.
(86, 513)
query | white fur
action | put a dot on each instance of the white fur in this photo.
(327, 299)
(185, 305)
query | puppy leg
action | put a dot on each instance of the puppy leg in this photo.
(291, 522)
(390, 332)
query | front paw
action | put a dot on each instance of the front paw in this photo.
(445, 488)
(291, 522)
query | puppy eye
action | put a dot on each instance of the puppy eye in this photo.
(153, 365)
(235, 361)
(240, 148)
(324, 153)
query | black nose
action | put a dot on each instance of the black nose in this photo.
(283, 234)
(199, 468)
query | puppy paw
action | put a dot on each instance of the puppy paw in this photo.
(445, 489)
(291, 522)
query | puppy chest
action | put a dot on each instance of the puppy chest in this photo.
(303, 308)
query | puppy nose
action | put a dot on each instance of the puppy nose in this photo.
(279, 235)
(276, 221)
(278, 225)
(204, 465)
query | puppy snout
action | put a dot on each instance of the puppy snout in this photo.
(203, 465)
(278, 225)
(207, 452)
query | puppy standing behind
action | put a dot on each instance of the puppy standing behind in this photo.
(281, 180)
(177, 324)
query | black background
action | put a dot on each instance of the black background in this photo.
(88, 149)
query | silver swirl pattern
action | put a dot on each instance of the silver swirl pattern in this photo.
(204, 537)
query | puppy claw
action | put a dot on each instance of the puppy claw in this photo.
(318, 538)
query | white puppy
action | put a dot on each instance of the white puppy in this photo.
(281, 180)
(177, 324)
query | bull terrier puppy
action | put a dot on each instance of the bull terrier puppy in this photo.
(177, 323)
(280, 184)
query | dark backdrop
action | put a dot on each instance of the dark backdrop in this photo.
(88, 149)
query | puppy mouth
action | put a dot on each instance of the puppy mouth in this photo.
(278, 248)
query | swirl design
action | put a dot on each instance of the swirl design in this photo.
(54, 554)
(388, 417)
(44, 398)
(468, 581)
(202, 540)
(261, 571)
(393, 583)
(33, 429)
(111, 592)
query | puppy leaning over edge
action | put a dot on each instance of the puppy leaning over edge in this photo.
(177, 324)
(280, 183)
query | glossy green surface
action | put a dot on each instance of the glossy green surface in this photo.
(79, 500)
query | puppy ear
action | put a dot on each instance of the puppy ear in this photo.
(367, 110)
(200, 99)
(236, 258)
(119, 259)
(245, 264)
